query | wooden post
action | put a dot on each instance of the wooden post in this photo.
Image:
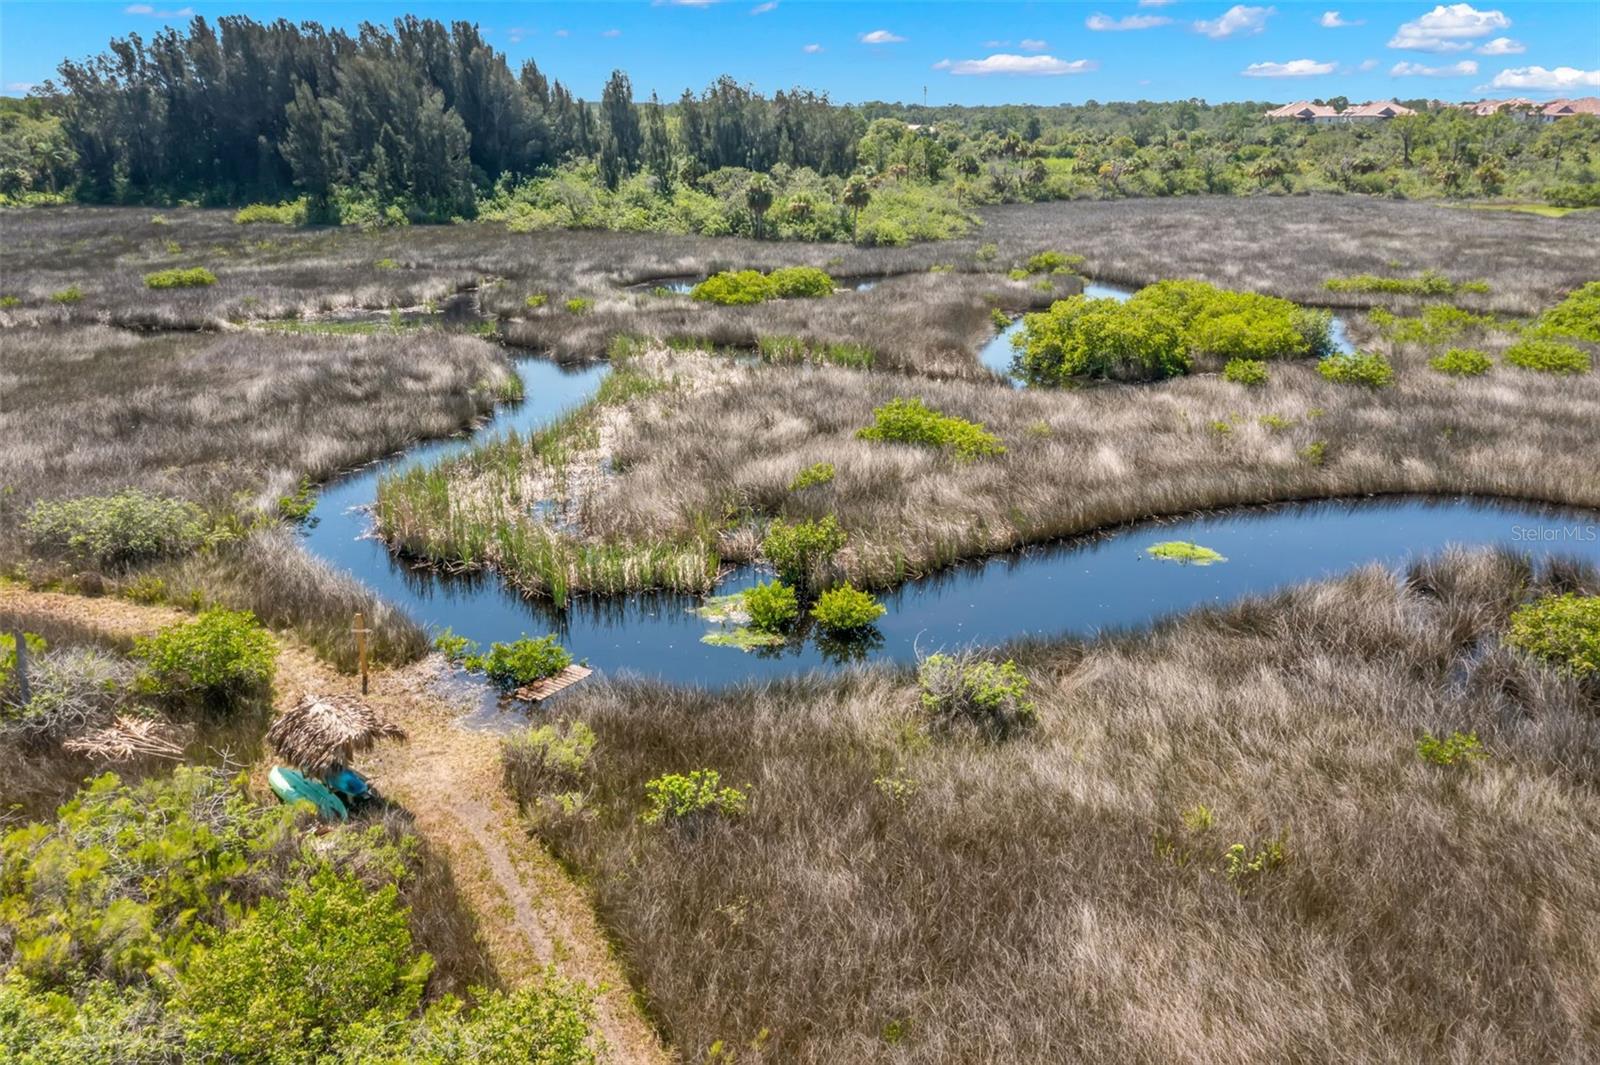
(22, 665)
(361, 631)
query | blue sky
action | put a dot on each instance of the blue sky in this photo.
(962, 52)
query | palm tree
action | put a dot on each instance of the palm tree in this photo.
(758, 197)
(856, 196)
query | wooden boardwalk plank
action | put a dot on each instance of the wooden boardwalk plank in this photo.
(542, 690)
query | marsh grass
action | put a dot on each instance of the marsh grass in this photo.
(898, 894)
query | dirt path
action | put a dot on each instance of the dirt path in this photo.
(529, 911)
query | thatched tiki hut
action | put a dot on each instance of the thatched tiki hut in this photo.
(321, 731)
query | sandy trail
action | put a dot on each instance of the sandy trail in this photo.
(530, 913)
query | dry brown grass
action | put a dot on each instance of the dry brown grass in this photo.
(1044, 899)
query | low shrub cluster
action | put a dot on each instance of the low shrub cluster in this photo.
(1576, 316)
(221, 656)
(1458, 748)
(771, 606)
(845, 609)
(1427, 283)
(115, 531)
(802, 551)
(691, 799)
(1245, 371)
(548, 758)
(193, 277)
(1462, 362)
(288, 213)
(966, 691)
(509, 666)
(818, 473)
(910, 421)
(178, 920)
(1357, 368)
(741, 287)
(1053, 262)
(1548, 356)
(1561, 629)
(1439, 324)
(1160, 330)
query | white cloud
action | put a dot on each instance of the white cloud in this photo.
(1368, 64)
(1540, 78)
(515, 34)
(683, 3)
(1502, 46)
(611, 33)
(1331, 20)
(812, 49)
(1105, 23)
(1294, 68)
(562, 33)
(146, 9)
(1001, 63)
(762, 9)
(880, 37)
(1463, 69)
(1154, 3)
(1030, 44)
(1235, 21)
(1448, 29)
(943, 64)
(995, 44)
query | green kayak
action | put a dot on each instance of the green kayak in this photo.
(291, 785)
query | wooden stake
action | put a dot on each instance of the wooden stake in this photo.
(22, 665)
(361, 631)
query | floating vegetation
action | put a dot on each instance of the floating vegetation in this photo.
(743, 637)
(1185, 552)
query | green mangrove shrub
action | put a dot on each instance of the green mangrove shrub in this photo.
(965, 691)
(522, 661)
(1427, 283)
(1357, 368)
(818, 473)
(1577, 316)
(220, 656)
(800, 282)
(802, 550)
(115, 531)
(1458, 748)
(288, 213)
(733, 288)
(193, 277)
(771, 606)
(579, 306)
(1245, 371)
(1548, 356)
(1053, 262)
(845, 610)
(910, 421)
(70, 294)
(693, 798)
(1561, 629)
(1462, 362)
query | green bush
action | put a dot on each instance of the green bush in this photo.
(221, 655)
(771, 606)
(1100, 338)
(971, 692)
(193, 277)
(1053, 262)
(1244, 867)
(1455, 749)
(845, 609)
(800, 282)
(909, 421)
(1576, 316)
(1358, 368)
(735, 288)
(535, 301)
(1428, 283)
(115, 531)
(816, 474)
(1245, 371)
(1548, 356)
(546, 759)
(579, 306)
(280, 985)
(1462, 362)
(288, 213)
(676, 798)
(70, 294)
(1562, 629)
(799, 552)
(522, 661)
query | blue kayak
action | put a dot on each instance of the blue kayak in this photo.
(293, 786)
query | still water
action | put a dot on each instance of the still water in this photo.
(1079, 587)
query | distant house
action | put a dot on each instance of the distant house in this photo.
(1518, 106)
(1304, 111)
(1584, 105)
(1376, 111)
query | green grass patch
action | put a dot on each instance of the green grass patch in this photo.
(288, 213)
(1184, 552)
(1427, 283)
(192, 277)
(1548, 356)
(1462, 362)
(1358, 368)
(910, 421)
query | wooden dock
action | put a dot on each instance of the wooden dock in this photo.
(539, 691)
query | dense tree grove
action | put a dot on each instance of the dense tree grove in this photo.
(423, 121)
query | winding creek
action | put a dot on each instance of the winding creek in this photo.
(1078, 587)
